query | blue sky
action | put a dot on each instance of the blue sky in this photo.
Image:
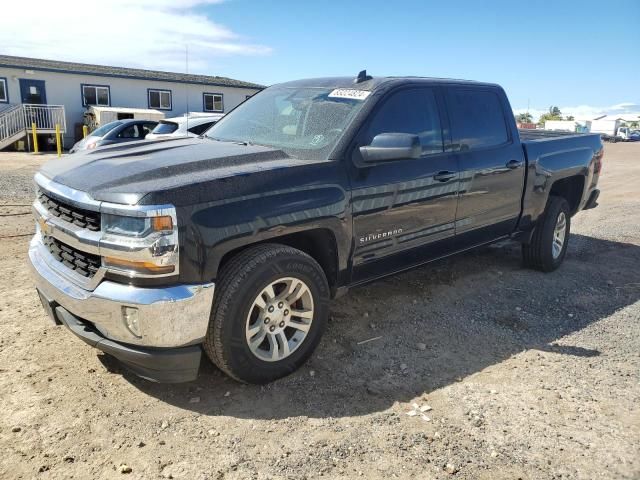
(579, 54)
(561, 52)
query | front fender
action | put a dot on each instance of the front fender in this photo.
(316, 198)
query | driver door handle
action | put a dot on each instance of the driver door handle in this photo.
(444, 176)
(512, 164)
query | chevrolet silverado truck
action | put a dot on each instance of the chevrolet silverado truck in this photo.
(233, 243)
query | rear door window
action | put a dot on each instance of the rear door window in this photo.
(147, 128)
(477, 119)
(165, 128)
(413, 111)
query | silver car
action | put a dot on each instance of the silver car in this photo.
(120, 131)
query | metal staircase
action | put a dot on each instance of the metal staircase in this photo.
(12, 127)
(16, 121)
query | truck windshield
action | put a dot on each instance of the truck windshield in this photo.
(303, 122)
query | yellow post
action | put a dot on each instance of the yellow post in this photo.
(35, 137)
(85, 131)
(58, 143)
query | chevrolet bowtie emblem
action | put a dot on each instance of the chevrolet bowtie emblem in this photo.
(44, 226)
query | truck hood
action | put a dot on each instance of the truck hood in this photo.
(126, 173)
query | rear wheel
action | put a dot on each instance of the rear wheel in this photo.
(548, 246)
(270, 311)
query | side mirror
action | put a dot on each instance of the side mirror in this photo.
(387, 147)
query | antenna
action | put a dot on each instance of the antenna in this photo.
(186, 85)
(362, 77)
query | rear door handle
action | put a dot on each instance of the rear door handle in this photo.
(513, 164)
(444, 176)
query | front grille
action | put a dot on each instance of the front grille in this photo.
(69, 213)
(83, 263)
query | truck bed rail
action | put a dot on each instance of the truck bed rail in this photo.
(531, 135)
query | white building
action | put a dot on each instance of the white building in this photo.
(74, 86)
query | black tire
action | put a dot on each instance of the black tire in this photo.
(239, 283)
(539, 253)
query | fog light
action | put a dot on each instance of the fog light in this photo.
(130, 319)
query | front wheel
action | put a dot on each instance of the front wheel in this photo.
(270, 311)
(548, 246)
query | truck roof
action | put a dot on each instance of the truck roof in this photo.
(375, 82)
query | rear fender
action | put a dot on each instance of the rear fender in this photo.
(545, 170)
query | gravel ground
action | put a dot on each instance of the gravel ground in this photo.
(475, 369)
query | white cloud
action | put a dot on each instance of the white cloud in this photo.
(134, 33)
(589, 112)
(625, 106)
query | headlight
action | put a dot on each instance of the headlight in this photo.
(144, 245)
(136, 226)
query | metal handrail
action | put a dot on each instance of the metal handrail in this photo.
(11, 122)
(46, 117)
(20, 118)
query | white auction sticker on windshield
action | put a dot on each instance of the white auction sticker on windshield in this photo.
(351, 93)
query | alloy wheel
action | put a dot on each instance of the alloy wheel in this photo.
(279, 319)
(559, 235)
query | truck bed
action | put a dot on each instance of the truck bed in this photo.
(552, 156)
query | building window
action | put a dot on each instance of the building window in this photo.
(4, 92)
(213, 102)
(99, 95)
(159, 99)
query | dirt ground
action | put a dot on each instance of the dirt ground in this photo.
(509, 373)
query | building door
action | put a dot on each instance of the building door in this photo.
(32, 91)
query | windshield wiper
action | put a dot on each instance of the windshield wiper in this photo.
(237, 142)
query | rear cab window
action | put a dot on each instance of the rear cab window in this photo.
(413, 111)
(477, 118)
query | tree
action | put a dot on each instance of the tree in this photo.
(570, 117)
(524, 118)
(554, 113)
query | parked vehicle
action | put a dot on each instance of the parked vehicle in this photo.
(117, 132)
(611, 130)
(96, 117)
(186, 126)
(302, 192)
(561, 125)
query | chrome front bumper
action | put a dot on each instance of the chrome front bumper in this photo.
(172, 316)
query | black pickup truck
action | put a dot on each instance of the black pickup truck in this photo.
(305, 190)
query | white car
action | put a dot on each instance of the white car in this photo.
(187, 126)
